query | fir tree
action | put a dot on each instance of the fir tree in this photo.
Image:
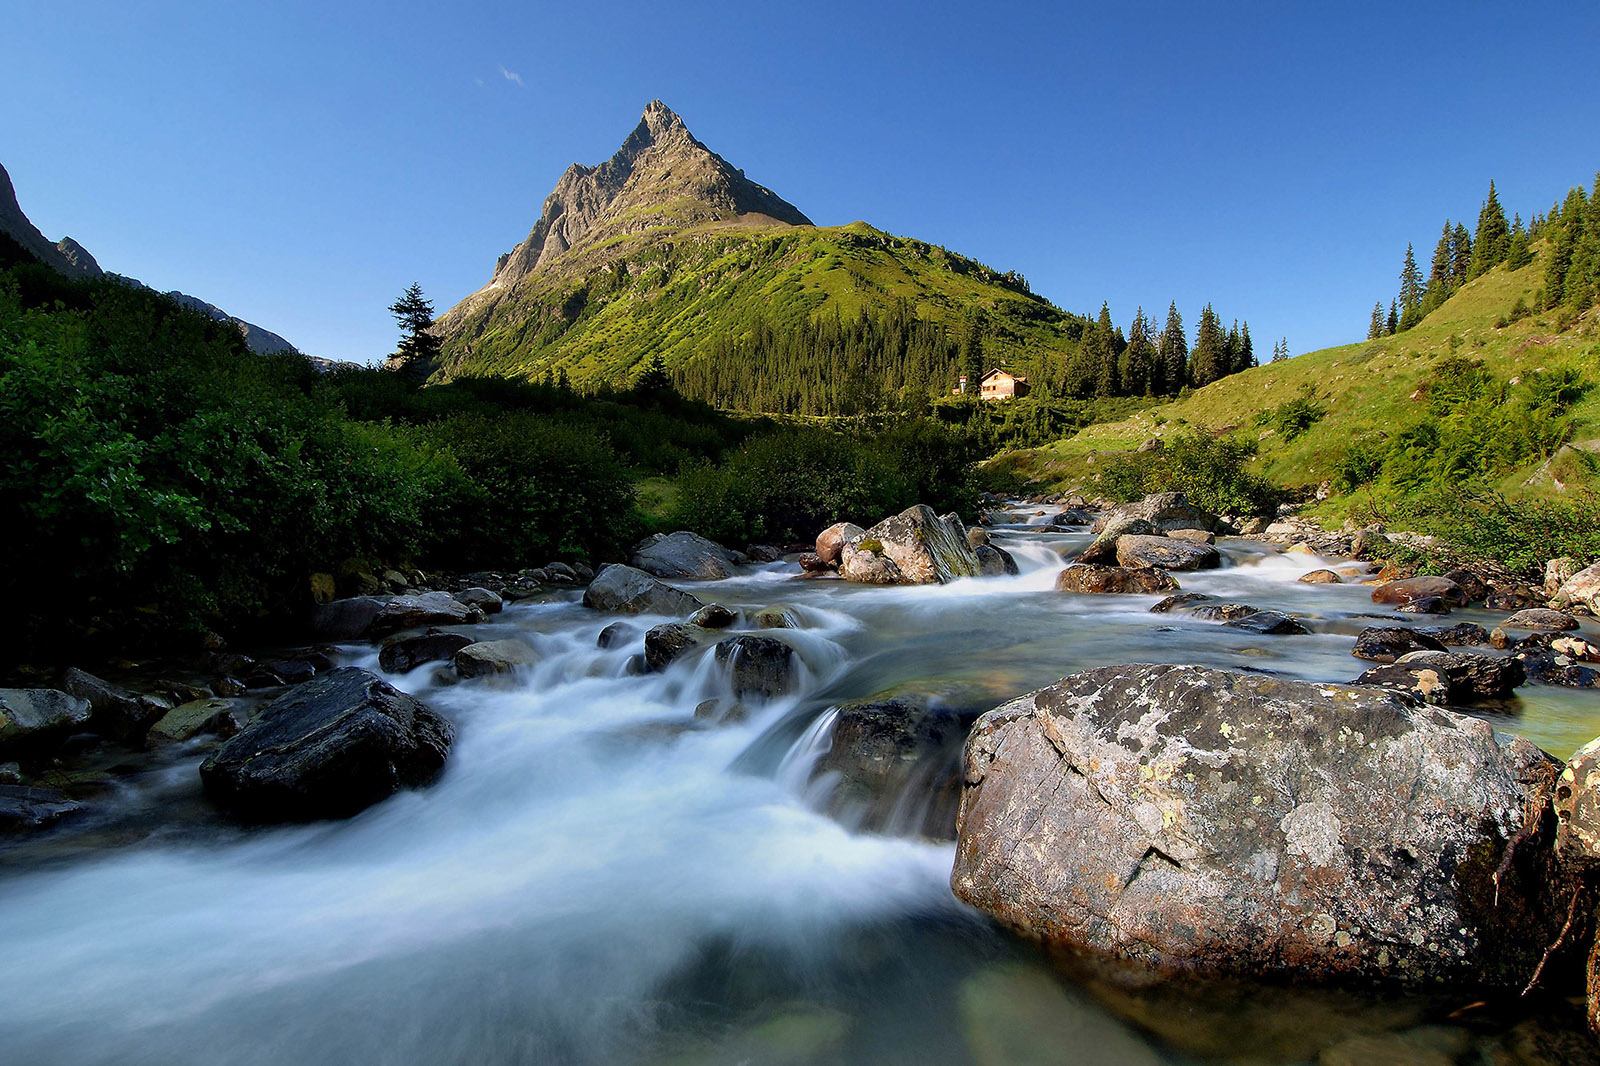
(1565, 238)
(1172, 355)
(414, 314)
(1105, 355)
(1206, 363)
(1411, 291)
(1375, 327)
(1490, 242)
(1247, 350)
(1138, 359)
(972, 354)
(653, 381)
(1391, 325)
(1518, 254)
(1280, 351)
(1460, 256)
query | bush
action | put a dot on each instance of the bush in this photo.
(1213, 472)
(1522, 536)
(1293, 417)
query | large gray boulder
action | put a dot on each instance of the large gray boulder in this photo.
(35, 718)
(1202, 820)
(631, 591)
(1165, 511)
(328, 749)
(1580, 591)
(682, 554)
(1166, 553)
(359, 617)
(1104, 549)
(924, 548)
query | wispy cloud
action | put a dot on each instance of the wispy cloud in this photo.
(511, 75)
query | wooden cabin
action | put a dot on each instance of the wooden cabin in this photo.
(1000, 384)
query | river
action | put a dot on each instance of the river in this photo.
(596, 880)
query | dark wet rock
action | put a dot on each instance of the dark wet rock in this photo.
(812, 563)
(778, 617)
(1512, 597)
(31, 807)
(1406, 590)
(1542, 619)
(1179, 601)
(616, 635)
(376, 616)
(831, 541)
(1165, 553)
(491, 658)
(1224, 612)
(401, 654)
(291, 671)
(213, 717)
(33, 719)
(894, 766)
(995, 562)
(228, 687)
(630, 591)
(1104, 548)
(1198, 820)
(720, 711)
(1385, 644)
(666, 643)
(918, 545)
(1548, 668)
(682, 554)
(115, 712)
(328, 749)
(758, 667)
(1424, 605)
(1441, 677)
(714, 616)
(1271, 623)
(1164, 510)
(1073, 516)
(560, 573)
(1321, 577)
(764, 553)
(1462, 634)
(486, 600)
(1084, 577)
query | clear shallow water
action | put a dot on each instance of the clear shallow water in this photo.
(595, 879)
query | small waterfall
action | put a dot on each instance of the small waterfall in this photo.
(794, 772)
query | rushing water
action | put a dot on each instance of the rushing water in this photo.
(597, 878)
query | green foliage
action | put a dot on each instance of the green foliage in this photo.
(1212, 471)
(1520, 535)
(1293, 417)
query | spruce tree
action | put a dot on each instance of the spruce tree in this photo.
(1460, 256)
(1105, 370)
(1490, 242)
(419, 348)
(1280, 351)
(1229, 363)
(1172, 354)
(1247, 351)
(1210, 349)
(1138, 359)
(1565, 237)
(1411, 291)
(972, 354)
(1518, 254)
(1391, 325)
(1375, 327)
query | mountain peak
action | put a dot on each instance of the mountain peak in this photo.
(660, 178)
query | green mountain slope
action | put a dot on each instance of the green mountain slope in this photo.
(1370, 392)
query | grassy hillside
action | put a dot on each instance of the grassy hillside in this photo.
(1369, 392)
(669, 292)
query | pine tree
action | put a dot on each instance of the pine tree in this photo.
(1490, 242)
(972, 354)
(1280, 351)
(1375, 327)
(1518, 254)
(1138, 359)
(1105, 370)
(1172, 355)
(653, 381)
(419, 348)
(1247, 351)
(1210, 349)
(1411, 291)
(1460, 256)
(1565, 238)
(1391, 325)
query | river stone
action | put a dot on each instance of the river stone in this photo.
(1547, 668)
(1459, 635)
(713, 616)
(1085, 577)
(1558, 572)
(924, 547)
(865, 563)
(374, 616)
(328, 749)
(1424, 605)
(760, 667)
(1577, 806)
(33, 718)
(486, 600)
(682, 554)
(1180, 601)
(630, 591)
(400, 654)
(995, 562)
(1271, 623)
(490, 658)
(29, 806)
(1164, 510)
(894, 765)
(213, 716)
(1166, 553)
(1193, 536)
(1385, 644)
(777, 617)
(977, 537)
(1409, 589)
(1442, 677)
(666, 643)
(1199, 820)
(616, 635)
(1321, 577)
(831, 541)
(115, 712)
(1104, 548)
(1224, 612)
(1541, 619)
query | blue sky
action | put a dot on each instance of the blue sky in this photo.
(300, 163)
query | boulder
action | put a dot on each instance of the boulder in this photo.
(777, 617)
(1546, 667)
(1558, 572)
(1178, 602)
(1541, 619)
(630, 591)
(977, 537)
(401, 654)
(30, 807)
(1193, 536)
(1166, 553)
(865, 563)
(758, 667)
(924, 548)
(114, 712)
(1577, 806)
(995, 562)
(831, 541)
(812, 563)
(1164, 510)
(713, 616)
(491, 658)
(1204, 821)
(1460, 634)
(1271, 623)
(485, 600)
(616, 635)
(1072, 516)
(1224, 612)
(214, 717)
(328, 749)
(682, 554)
(1442, 677)
(666, 643)
(1385, 644)
(894, 766)
(1321, 577)
(1086, 577)
(1408, 589)
(35, 718)
(764, 553)
(1104, 548)
(358, 617)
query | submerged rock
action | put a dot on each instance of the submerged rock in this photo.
(682, 554)
(491, 658)
(1166, 553)
(758, 667)
(1271, 623)
(1385, 644)
(1224, 612)
(776, 617)
(894, 766)
(1087, 577)
(631, 591)
(1201, 820)
(30, 807)
(328, 749)
(401, 654)
(1180, 601)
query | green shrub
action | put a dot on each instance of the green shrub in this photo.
(1213, 472)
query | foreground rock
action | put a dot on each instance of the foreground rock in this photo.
(632, 591)
(376, 616)
(328, 749)
(893, 766)
(1087, 577)
(30, 807)
(1199, 820)
(683, 554)
(995, 562)
(1442, 677)
(831, 541)
(757, 667)
(32, 719)
(490, 658)
(1165, 511)
(1166, 553)
(920, 546)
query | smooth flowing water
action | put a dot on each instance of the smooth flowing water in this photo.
(597, 878)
